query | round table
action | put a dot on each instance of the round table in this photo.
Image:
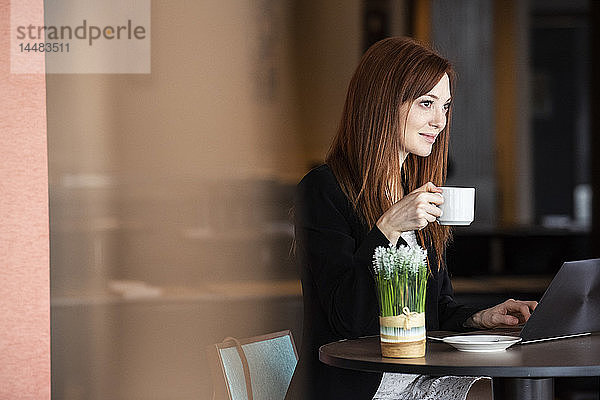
(521, 372)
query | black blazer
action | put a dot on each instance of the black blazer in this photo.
(334, 251)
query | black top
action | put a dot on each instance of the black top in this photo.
(576, 356)
(335, 250)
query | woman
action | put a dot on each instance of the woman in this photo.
(379, 185)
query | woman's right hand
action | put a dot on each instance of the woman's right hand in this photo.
(414, 211)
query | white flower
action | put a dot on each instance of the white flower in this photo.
(385, 260)
(390, 260)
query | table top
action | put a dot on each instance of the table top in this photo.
(577, 356)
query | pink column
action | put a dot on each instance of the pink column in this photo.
(24, 258)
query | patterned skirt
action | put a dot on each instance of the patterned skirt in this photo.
(424, 387)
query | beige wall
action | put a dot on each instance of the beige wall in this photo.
(329, 45)
(199, 113)
(238, 91)
(206, 109)
(182, 178)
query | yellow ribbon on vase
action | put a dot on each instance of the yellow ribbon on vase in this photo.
(407, 320)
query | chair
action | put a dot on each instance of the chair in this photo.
(257, 368)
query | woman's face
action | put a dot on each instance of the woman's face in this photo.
(426, 119)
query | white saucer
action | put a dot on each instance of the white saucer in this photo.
(481, 343)
(458, 222)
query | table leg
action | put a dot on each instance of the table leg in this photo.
(523, 388)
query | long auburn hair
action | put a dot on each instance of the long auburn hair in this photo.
(365, 153)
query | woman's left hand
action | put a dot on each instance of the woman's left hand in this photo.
(510, 313)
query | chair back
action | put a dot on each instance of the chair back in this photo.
(257, 368)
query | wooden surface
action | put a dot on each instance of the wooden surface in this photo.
(565, 357)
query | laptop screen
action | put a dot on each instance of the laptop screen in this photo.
(570, 305)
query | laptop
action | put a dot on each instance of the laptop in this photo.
(569, 307)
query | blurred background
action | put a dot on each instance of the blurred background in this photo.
(170, 192)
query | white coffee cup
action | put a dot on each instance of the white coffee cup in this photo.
(458, 207)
